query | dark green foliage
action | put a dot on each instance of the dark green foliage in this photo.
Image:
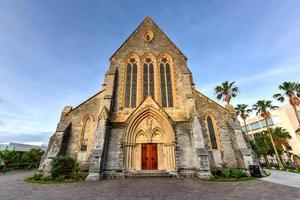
(17, 160)
(213, 171)
(238, 173)
(38, 176)
(62, 166)
(226, 172)
(33, 156)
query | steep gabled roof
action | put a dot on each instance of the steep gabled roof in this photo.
(143, 22)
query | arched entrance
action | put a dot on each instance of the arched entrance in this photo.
(149, 142)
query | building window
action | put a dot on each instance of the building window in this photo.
(254, 126)
(166, 83)
(85, 134)
(212, 134)
(148, 77)
(131, 83)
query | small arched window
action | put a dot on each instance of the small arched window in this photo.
(166, 83)
(148, 78)
(87, 126)
(131, 83)
(212, 133)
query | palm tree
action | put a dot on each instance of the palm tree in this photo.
(281, 137)
(262, 108)
(292, 91)
(262, 146)
(243, 112)
(226, 91)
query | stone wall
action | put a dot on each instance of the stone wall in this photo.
(75, 117)
(114, 152)
(184, 152)
(229, 151)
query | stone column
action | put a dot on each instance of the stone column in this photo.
(99, 142)
(200, 153)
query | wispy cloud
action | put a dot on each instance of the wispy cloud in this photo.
(273, 73)
(41, 137)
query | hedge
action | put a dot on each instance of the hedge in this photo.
(15, 166)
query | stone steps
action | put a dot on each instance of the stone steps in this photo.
(150, 173)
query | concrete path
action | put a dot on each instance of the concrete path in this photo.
(12, 187)
(284, 178)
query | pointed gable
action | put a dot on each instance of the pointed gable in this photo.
(160, 39)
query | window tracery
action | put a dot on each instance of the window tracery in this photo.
(148, 78)
(166, 83)
(131, 83)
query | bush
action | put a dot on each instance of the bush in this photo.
(38, 176)
(62, 166)
(238, 173)
(60, 178)
(226, 172)
(213, 171)
(213, 177)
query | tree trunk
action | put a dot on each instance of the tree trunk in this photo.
(266, 160)
(5, 168)
(298, 118)
(273, 144)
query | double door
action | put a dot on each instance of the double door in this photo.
(149, 156)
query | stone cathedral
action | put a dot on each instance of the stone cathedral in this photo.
(148, 118)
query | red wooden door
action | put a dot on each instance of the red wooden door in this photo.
(149, 156)
(144, 156)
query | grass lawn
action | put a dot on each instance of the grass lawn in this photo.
(32, 181)
(233, 179)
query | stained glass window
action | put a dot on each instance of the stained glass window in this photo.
(169, 85)
(166, 83)
(131, 84)
(163, 85)
(151, 76)
(85, 134)
(134, 78)
(145, 88)
(128, 85)
(148, 77)
(211, 130)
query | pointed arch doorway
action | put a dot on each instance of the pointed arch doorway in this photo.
(149, 142)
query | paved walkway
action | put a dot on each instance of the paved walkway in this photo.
(12, 187)
(284, 178)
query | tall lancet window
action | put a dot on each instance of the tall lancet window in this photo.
(148, 78)
(166, 83)
(86, 129)
(212, 133)
(131, 82)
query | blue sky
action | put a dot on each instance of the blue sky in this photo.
(55, 53)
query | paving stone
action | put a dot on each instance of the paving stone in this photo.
(12, 187)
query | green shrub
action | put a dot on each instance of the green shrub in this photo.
(38, 176)
(224, 165)
(213, 177)
(75, 171)
(60, 178)
(62, 166)
(213, 171)
(226, 172)
(238, 173)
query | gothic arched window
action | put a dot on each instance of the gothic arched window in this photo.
(212, 133)
(148, 78)
(87, 126)
(131, 82)
(166, 83)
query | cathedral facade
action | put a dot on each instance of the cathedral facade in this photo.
(148, 118)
